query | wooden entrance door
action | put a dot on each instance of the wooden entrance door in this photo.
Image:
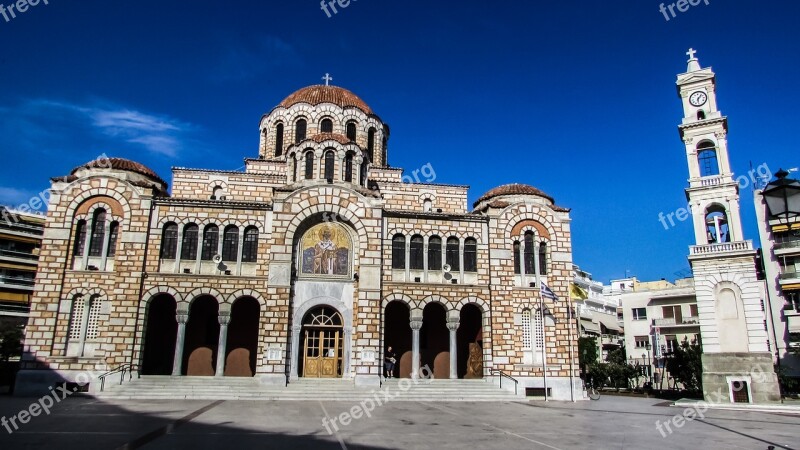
(321, 353)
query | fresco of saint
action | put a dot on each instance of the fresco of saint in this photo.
(325, 250)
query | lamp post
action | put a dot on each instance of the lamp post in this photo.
(649, 366)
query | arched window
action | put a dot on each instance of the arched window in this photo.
(294, 167)
(427, 205)
(76, 318)
(543, 258)
(217, 193)
(517, 259)
(399, 252)
(300, 130)
(435, 253)
(371, 144)
(95, 306)
(210, 242)
(701, 115)
(189, 242)
(363, 173)
(707, 159)
(113, 234)
(98, 233)
(416, 252)
(351, 131)
(80, 239)
(279, 139)
(230, 244)
(452, 254)
(309, 165)
(530, 265)
(326, 126)
(250, 245)
(330, 161)
(717, 229)
(470, 255)
(169, 241)
(348, 167)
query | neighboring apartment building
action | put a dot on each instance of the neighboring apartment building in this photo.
(779, 230)
(597, 312)
(657, 316)
(20, 240)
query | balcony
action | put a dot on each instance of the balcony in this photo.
(21, 229)
(22, 257)
(789, 277)
(677, 321)
(714, 250)
(611, 339)
(784, 248)
(25, 284)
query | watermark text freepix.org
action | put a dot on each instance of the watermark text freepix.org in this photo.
(680, 5)
(20, 6)
(330, 5)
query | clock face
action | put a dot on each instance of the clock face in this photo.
(698, 98)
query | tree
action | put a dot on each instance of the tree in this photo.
(685, 365)
(10, 340)
(587, 352)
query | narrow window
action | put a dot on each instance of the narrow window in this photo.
(250, 245)
(371, 144)
(189, 242)
(300, 130)
(399, 252)
(210, 242)
(435, 253)
(326, 126)
(517, 268)
(416, 252)
(351, 131)
(95, 306)
(348, 168)
(530, 267)
(329, 163)
(309, 165)
(113, 232)
(452, 256)
(230, 244)
(98, 233)
(470, 255)
(701, 115)
(279, 140)
(363, 173)
(526, 328)
(169, 241)
(76, 318)
(427, 205)
(543, 258)
(80, 239)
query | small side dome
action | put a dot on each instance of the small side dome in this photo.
(512, 189)
(318, 94)
(143, 174)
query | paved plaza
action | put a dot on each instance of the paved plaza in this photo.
(610, 423)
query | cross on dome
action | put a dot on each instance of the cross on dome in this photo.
(327, 78)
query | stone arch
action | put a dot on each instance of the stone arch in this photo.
(394, 297)
(159, 290)
(437, 299)
(100, 192)
(513, 216)
(90, 292)
(347, 213)
(247, 293)
(203, 291)
(480, 303)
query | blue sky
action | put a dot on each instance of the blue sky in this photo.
(574, 97)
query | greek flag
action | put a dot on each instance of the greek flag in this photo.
(548, 293)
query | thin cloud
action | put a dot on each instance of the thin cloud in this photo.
(13, 197)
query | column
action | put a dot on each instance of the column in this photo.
(408, 259)
(224, 320)
(460, 261)
(347, 340)
(295, 350)
(177, 364)
(416, 325)
(425, 258)
(179, 249)
(240, 247)
(106, 239)
(453, 327)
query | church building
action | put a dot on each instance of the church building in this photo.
(309, 263)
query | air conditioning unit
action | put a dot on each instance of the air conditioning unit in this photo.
(438, 210)
(532, 284)
(455, 281)
(187, 270)
(92, 268)
(227, 272)
(417, 280)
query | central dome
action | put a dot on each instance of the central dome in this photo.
(318, 94)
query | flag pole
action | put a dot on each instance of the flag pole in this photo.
(538, 271)
(571, 354)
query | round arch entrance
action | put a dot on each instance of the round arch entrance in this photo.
(322, 344)
(241, 350)
(160, 336)
(397, 334)
(435, 340)
(202, 337)
(469, 342)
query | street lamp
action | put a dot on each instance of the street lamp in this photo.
(649, 366)
(783, 197)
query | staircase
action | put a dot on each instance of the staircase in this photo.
(230, 388)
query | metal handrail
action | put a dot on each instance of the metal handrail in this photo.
(505, 375)
(122, 370)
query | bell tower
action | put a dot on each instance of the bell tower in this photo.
(737, 363)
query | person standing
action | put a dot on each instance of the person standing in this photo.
(389, 362)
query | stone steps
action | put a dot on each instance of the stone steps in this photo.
(211, 388)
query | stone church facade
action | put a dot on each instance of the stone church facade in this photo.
(309, 263)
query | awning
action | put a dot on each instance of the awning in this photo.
(589, 326)
(608, 322)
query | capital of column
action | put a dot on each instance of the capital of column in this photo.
(416, 325)
(182, 318)
(453, 326)
(224, 318)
